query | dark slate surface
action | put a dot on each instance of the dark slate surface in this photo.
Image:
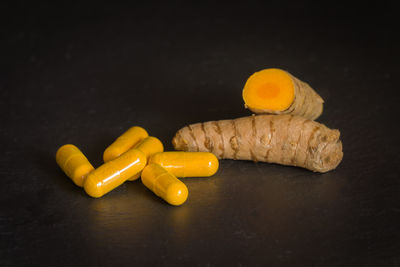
(83, 73)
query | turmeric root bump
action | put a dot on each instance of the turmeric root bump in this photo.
(275, 91)
(283, 139)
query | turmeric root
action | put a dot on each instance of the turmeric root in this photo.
(283, 139)
(275, 91)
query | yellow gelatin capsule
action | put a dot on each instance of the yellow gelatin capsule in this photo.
(164, 184)
(114, 173)
(125, 142)
(187, 164)
(149, 146)
(75, 165)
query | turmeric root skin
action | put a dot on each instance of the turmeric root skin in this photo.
(283, 139)
(305, 102)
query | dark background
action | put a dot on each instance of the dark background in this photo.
(83, 73)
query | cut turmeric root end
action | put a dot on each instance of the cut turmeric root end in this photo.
(275, 91)
(269, 89)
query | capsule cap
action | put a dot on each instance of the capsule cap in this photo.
(74, 163)
(177, 194)
(164, 184)
(93, 187)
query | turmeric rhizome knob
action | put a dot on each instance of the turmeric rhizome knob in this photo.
(75, 165)
(164, 184)
(125, 142)
(114, 173)
(149, 146)
(187, 164)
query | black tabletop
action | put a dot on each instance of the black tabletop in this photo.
(84, 73)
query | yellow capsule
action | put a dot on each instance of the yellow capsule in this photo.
(75, 165)
(114, 173)
(187, 164)
(125, 142)
(149, 146)
(164, 184)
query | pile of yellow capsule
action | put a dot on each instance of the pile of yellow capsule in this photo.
(136, 154)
